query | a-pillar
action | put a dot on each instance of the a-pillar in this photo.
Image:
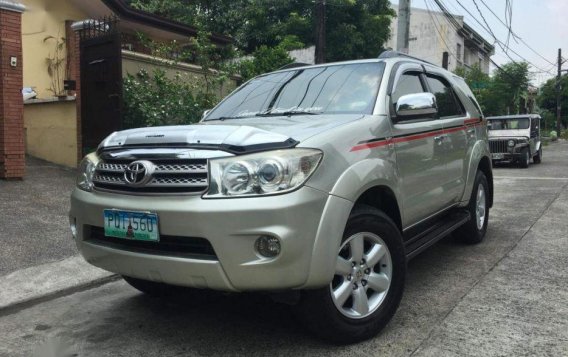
(12, 150)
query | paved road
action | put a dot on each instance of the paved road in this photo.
(504, 297)
(33, 220)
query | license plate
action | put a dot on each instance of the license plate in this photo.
(131, 225)
(497, 156)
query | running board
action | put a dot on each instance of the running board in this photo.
(441, 228)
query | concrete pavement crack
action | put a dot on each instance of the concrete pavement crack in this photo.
(506, 255)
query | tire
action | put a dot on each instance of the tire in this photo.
(537, 159)
(352, 316)
(156, 289)
(474, 230)
(525, 158)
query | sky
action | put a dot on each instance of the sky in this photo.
(542, 24)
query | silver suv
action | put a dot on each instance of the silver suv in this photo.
(315, 184)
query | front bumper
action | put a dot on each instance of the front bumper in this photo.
(308, 222)
(513, 154)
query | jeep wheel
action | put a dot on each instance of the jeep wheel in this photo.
(525, 158)
(474, 230)
(538, 157)
(368, 282)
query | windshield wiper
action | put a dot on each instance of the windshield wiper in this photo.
(225, 118)
(285, 113)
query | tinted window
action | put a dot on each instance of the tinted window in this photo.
(409, 83)
(445, 98)
(349, 88)
(465, 89)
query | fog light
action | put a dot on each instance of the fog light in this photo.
(73, 226)
(267, 246)
(511, 143)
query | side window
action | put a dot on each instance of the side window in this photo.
(408, 83)
(448, 106)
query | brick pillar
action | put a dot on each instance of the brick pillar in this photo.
(12, 150)
(75, 70)
(74, 46)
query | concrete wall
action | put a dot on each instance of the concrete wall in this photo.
(43, 18)
(51, 131)
(133, 62)
(431, 35)
(304, 55)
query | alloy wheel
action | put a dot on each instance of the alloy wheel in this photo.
(363, 275)
(480, 207)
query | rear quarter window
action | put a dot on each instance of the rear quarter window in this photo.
(462, 86)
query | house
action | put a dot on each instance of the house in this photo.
(91, 44)
(431, 35)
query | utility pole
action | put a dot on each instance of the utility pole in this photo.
(320, 31)
(403, 27)
(558, 89)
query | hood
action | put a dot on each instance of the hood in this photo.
(509, 133)
(235, 135)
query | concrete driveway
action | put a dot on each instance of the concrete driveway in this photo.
(35, 227)
(504, 297)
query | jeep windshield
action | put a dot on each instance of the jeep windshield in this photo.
(333, 89)
(508, 124)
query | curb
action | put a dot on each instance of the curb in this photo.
(30, 286)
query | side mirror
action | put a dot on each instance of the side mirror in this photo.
(412, 106)
(205, 112)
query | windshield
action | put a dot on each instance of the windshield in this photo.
(504, 124)
(335, 89)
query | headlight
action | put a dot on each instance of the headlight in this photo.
(511, 143)
(86, 172)
(264, 173)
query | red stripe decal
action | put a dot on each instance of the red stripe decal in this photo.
(471, 121)
(417, 136)
(376, 144)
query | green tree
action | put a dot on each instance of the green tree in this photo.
(546, 101)
(502, 93)
(355, 29)
(478, 81)
(265, 59)
(509, 85)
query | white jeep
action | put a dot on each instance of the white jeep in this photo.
(515, 138)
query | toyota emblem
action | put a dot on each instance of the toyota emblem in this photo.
(139, 173)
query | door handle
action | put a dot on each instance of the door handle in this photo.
(439, 138)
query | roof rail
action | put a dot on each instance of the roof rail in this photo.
(294, 65)
(393, 54)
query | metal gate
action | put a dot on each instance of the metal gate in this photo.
(101, 81)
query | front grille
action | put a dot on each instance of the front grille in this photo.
(169, 176)
(175, 246)
(499, 146)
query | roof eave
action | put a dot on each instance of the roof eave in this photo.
(122, 10)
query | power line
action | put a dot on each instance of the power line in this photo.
(434, 22)
(516, 36)
(501, 44)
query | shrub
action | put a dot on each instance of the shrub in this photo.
(266, 59)
(154, 99)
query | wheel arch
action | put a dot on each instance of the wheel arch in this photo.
(382, 198)
(485, 167)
